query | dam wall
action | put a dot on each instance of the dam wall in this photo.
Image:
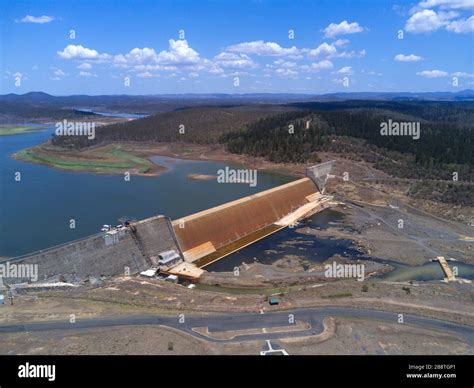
(97, 255)
(102, 254)
(205, 232)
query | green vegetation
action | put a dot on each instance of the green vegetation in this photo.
(102, 160)
(442, 148)
(458, 193)
(342, 295)
(14, 130)
(202, 125)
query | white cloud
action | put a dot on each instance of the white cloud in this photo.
(285, 64)
(179, 52)
(36, 19)
(84, 66)
(214, 69)
(428, 20)
(233, 60)
(262, 48)
(454, 4)
(346, 70)
(59, 73)
(318, 66)
(324, 50)
(79, 52)
(352, 54)
(347, 54)
(145, 74)
(407, 58)
(461, 26)
(138, 55)
(86, 74)
(432, 15)
(149, 67)
(286, 73)
(180, 59)
(432, 73)
(462, 74)
(327, 51)
(341, 42)
(339, 80)
(343, 28)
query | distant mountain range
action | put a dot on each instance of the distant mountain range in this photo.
(77, 100)
(40, 106)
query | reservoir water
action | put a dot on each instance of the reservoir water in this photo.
(36, 211)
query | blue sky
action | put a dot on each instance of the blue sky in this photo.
(135, 47)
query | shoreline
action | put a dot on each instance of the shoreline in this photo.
(111, 159)
(67, 160)
(15, 129)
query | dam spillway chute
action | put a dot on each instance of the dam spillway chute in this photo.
(212, 234)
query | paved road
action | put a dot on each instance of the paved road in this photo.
(225, 322)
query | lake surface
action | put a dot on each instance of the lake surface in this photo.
(111, 114)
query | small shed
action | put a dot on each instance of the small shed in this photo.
(149, 273)
(274, 301)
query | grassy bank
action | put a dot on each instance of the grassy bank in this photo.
(15, 130)
(109, 159)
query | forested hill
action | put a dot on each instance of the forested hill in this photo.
(443, 146)
(191, 125)
(461, 112)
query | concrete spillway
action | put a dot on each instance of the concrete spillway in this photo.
(211, 234)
